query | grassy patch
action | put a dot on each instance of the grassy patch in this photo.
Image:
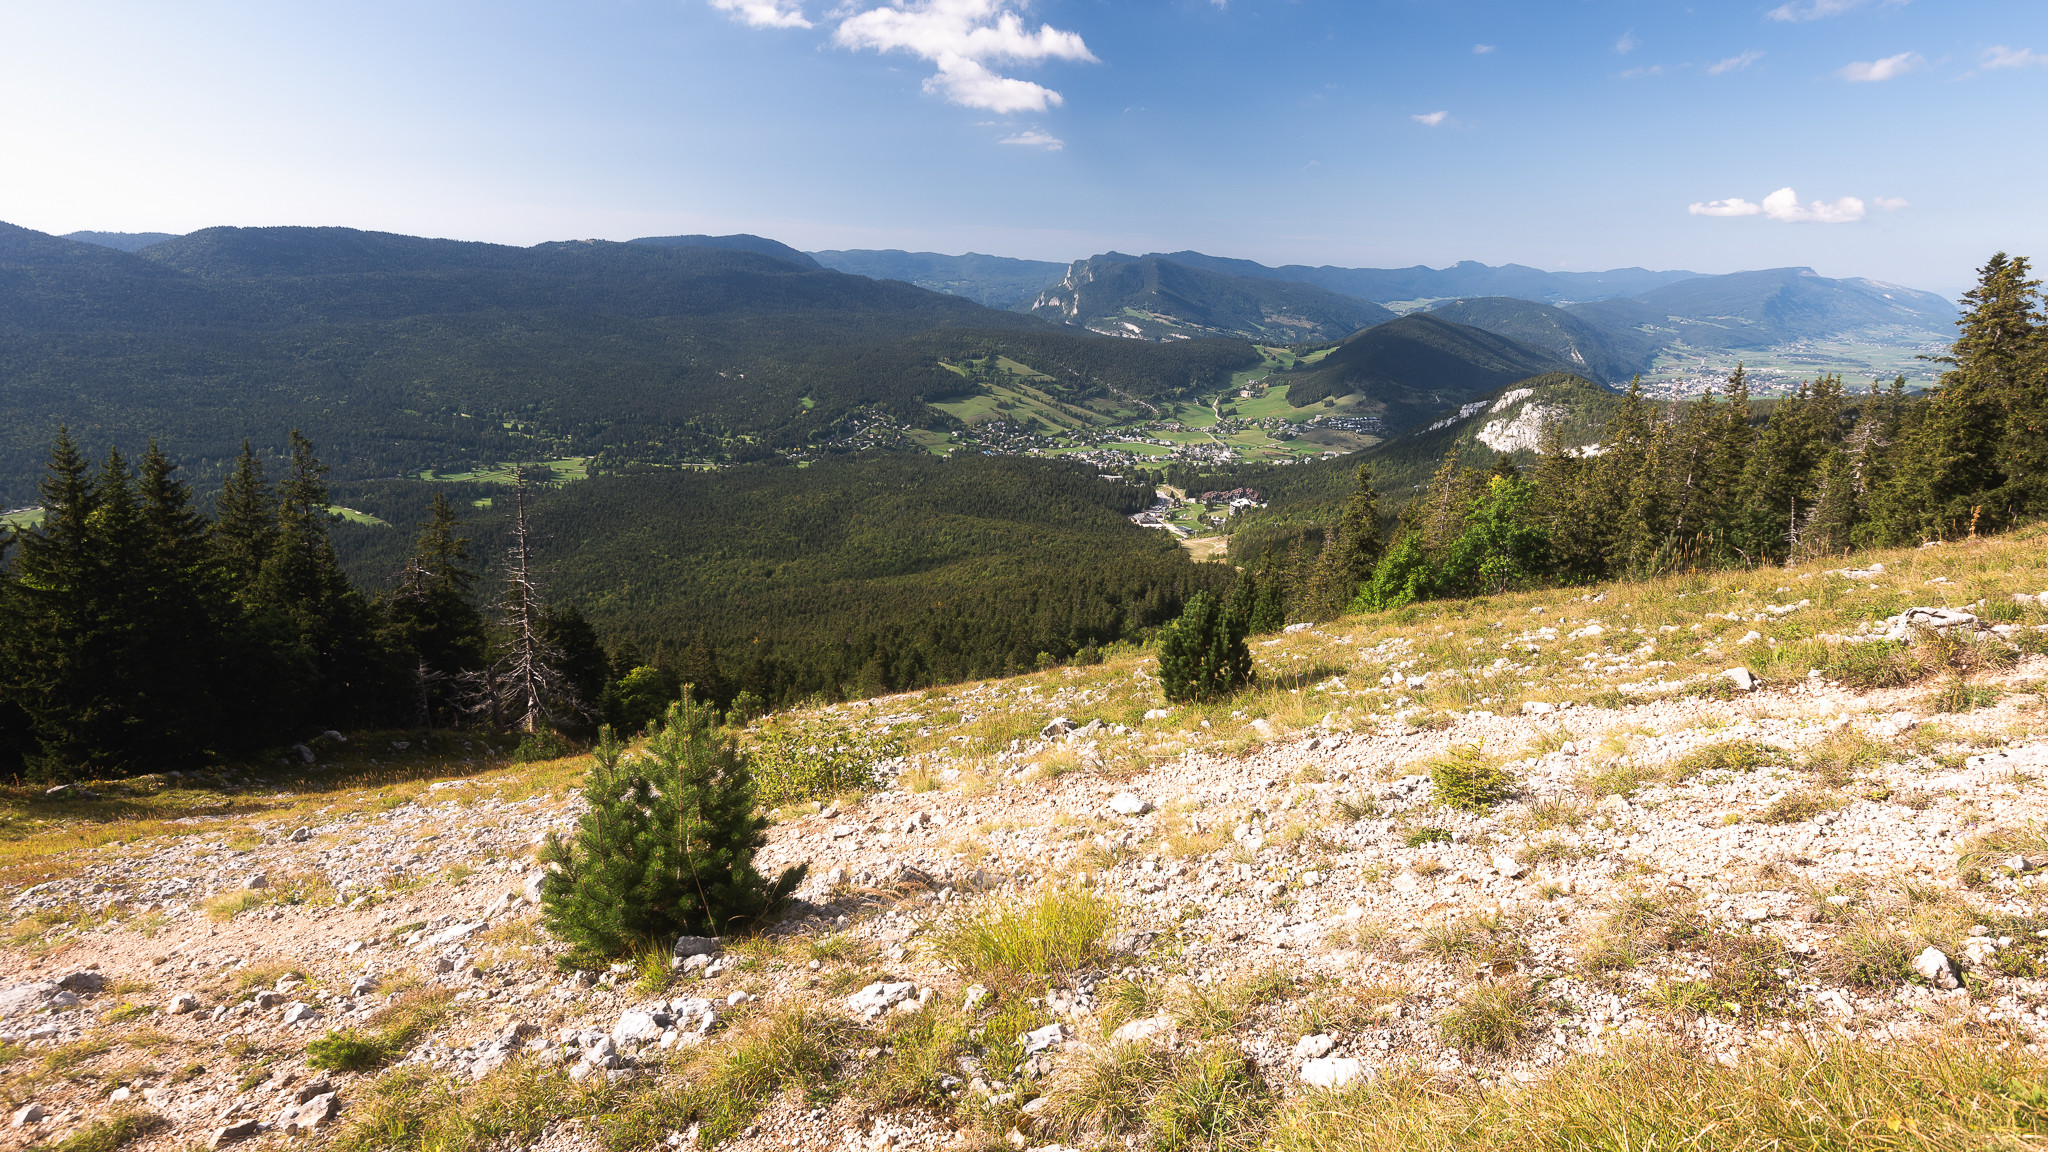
(116, 1131)
(1654, 1095)
(1793, 807)
(1214, 1100)
(1493, 1016)
(386, 1036)
(1057, 930)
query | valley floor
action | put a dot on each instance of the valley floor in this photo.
(1071, 915)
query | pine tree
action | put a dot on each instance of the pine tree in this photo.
(183, 646)
(327, 628)
(1349, 551)
(244, 531)
(2003, 350)
(666, 848)
(431, 617)
(1203, 655)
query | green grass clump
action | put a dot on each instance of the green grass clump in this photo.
(1874, 665)
(1466, 780)
(1871, 956)
(1058, 930)
(1734, 756)
(116, 1131)
(1417, 837)
(1214, 1100)
(386, 1036)
(1493, 1016)
(1834, 1096)
(1793, 807)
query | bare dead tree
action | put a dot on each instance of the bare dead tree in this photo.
(527, 683)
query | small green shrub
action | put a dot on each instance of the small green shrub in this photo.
(546, 744)
(802, 758)
(665, 849)
(347, 1050)
(1465, 779)
(1959, 695)
(1202, 655)
(1417, 837)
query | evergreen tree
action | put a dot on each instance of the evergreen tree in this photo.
(1203, 655)
(1349, 551)
(2003, 351)
(184, 645)
(666, 848)
(430, 615)
(244, 531)
(1269, 604)
(326, 626)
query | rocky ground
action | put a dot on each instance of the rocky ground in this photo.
(1726, 860)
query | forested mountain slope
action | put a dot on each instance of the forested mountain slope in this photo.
(1154, 299)
(1411, 367)
(398, 353)
(997, 281)
(1608, 353)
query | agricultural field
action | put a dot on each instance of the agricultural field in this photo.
(564, 471)
(21, 518)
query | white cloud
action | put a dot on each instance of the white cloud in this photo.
(962, 37)
(764, 13)
(1784, 206)
(1735, 206)
(1035, 138)
(1639, 73)
(1792, 11)
(1431, 119)
(1734, 63)
(2003, 57)
(1628, 43)
(1890, 203)
(1872, 71)
(1482, 49)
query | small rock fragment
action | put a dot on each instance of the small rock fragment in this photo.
(1331, 1072)
(1934, 966)
(1314, 1047)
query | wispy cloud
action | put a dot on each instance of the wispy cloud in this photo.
(764, 13)
(1794, 12)
(1035, 138)
(2003, 57)
(1784, 206)
(1872, 71)
(1890, 203)
(1483, 49)
(1431, 119)
(1734, 63)
(966, 41)
(1628, 43)
(1639, 73)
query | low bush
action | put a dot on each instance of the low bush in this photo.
(1464, 779)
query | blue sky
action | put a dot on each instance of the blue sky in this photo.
(1569, 134)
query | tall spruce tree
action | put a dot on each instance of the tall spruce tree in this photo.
(244, 530)
(430, 615)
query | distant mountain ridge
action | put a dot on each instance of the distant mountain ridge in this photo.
(1465, 278)
(124, 241)
(1151, 298)
(996, 281)
(740, 242)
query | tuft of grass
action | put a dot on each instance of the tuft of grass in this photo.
(1841, 756)
(1214, 1100)
(1734, 756)
(114, 1132)
(1877, 664)
(1058, 930)
(1417, 837)
(228, 905)
(1793, 807)
(1959, 695)
(387, 1035)
(1493, 1016)
(1219, 1008)
(1799, 1097)
(1103, 1093)
(1465, 779)
(920, 1048)
(1551, 812)
(1873, 956)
